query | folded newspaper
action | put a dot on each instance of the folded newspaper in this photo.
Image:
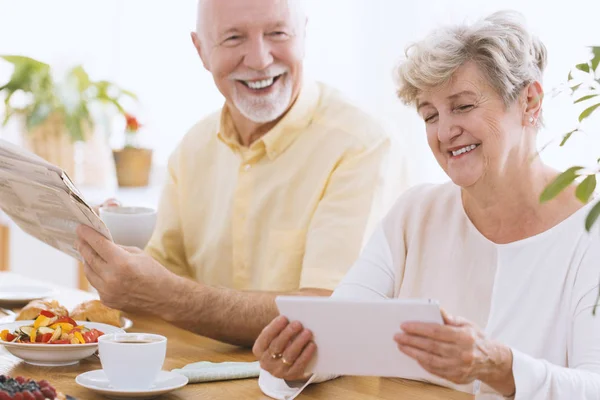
(42, 200)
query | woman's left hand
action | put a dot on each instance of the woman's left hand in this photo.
(458, 351)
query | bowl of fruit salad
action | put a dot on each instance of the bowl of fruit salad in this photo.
(52, 340)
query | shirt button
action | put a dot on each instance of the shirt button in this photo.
(247, 167)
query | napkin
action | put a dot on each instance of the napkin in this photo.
(206, 371)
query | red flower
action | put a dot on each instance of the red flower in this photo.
(132, 123)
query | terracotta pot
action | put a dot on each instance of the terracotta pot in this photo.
(51, 141)
(133, 166)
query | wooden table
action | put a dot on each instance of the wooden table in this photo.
(185, 347)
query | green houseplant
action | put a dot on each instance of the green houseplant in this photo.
(584, 84)
(56, 112)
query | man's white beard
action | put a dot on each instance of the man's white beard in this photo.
(265, 108)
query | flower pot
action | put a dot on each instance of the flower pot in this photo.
(51, 141)
(133, 166)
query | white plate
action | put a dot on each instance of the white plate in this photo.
(19, 294)
(98, 382)
(53, 355)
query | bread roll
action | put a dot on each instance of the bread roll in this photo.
(95, 311)
(33, 309)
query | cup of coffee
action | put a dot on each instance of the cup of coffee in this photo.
(129, 226)
(132, 361)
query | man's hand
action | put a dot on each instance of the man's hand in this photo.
(126, 278)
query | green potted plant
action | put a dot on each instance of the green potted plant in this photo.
(133, 163)
(56, 112)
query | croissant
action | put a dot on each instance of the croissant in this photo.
(95, 311)
(33, 309)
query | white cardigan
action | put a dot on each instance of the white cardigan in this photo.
(535, 295)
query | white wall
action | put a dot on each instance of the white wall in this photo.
(352, 44)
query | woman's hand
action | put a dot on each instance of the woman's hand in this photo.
(284, 349)
(459, 352)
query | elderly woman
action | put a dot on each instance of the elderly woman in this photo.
(482, 244)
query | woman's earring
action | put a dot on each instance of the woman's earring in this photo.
(531, 120)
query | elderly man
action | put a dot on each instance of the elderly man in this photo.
(274, 194)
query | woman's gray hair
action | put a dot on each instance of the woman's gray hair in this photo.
(500, 45)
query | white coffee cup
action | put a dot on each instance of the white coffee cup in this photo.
(129, 226)
(132, 361)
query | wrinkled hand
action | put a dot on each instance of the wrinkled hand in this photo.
(126, 278)
(457, 351)
(284, 349)
(107, 203)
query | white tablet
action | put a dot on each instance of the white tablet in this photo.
(355, 337)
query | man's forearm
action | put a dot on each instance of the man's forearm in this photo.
(227, 315)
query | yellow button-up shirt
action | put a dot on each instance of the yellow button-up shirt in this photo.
(291, 211)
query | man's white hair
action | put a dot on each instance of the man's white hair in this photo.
(296, 9)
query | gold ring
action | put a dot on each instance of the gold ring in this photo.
(286, 362)
(276, 356)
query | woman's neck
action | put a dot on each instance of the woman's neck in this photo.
(506, 209)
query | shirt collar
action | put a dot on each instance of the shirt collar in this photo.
(281, 136)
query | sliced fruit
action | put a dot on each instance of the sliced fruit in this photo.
(44, 329)
(33, 335)
(26, 330)
(79, 337)
(4, 335)
(42, 320)
(57, 333)
(65, 326)
(48, 314)
(44, 338)
(68, 320)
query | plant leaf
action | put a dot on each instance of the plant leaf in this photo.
(567, 136)
(81, 78)
(596, 60)
(129, 93)
(117, 105)
(559, 184)
(574, 88)
(584, 98)
(38, 115)
(586, 188)
(588, 111)
(570, 77)
(592, 216)
(585, 67)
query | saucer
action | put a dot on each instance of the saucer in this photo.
(98, 382)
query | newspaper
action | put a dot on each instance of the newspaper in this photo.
(42, 200)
